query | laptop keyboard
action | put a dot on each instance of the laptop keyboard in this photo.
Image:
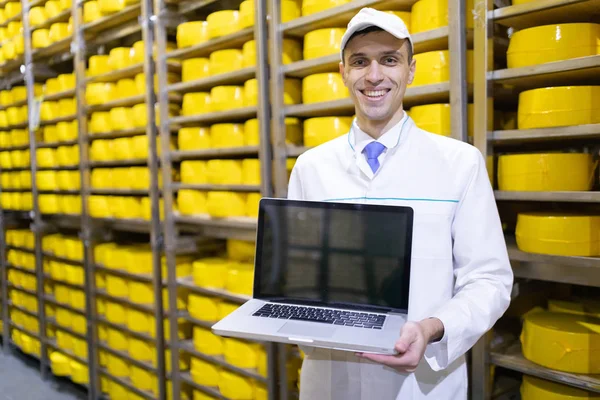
(326, 316)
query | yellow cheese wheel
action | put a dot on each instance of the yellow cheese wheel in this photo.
(323, 87)
(548, 43)
(432, 14)
(195, 68)
(194, 138)
(587, 307)
(12, 9)
(194, 172)
(116, 390)
(222, 23)
(120, 57)
(558, 234)
(207, 342)
(545, 172)
(192, 33)
(224, 172)
(240, 279)
(251, 172)
(100, 93)
(223, 98)
(534, 388)
(67, 107)
(434, 118)
(246, 14)
(323, 129)
(564, 342)
(559, 106)
(202, 307)
(211, 272)
(196, 103)
(314, 6)
(204, 373)
(126, 88)
(37, 16)
(143, 379)
(121, 118)
(40, 38)
(191, 202)
(58, 31)
(98, 65)
(226, 204)
(223, 61)
(322, 42)
(59, 363)
(79, 372)
(66, 82)
(234, 386)
(292, 92)
(91, 11)
(227, 135)
(118, 367)
(240, 250)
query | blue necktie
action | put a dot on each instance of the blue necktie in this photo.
(373, 150)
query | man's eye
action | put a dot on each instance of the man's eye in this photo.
(359, 62)
(390, 60)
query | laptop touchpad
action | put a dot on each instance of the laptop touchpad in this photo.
(307, 329)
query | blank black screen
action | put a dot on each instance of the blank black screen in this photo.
(334, 254)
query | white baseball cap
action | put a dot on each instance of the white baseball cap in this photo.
(368, 17)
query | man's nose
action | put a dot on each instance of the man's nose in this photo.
(374, 73)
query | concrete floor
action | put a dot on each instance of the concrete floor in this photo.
(20, 380)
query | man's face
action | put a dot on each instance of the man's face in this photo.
(376, 72)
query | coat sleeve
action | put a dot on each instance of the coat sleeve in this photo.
(482, 272)
(295, 185)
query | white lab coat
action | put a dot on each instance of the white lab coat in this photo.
(460, 267)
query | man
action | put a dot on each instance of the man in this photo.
(461, 278)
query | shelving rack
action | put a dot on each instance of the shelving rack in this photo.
(582, 271)
(169, 232)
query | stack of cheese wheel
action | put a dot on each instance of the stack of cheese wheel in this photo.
(22, 281)
(136, 260)
(13, 45)
(62, 263)
(14, 149)
(220, 204)
(555, 106)
(233, 273)
(559, 234)
(562, 341)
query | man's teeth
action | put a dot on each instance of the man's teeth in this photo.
(375, 93)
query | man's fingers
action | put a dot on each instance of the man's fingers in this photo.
(407, 336)
(404, 362)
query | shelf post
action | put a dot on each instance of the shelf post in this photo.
(156, 236)
(27, 70)
(277, 101)
(86, 234)
(480, 368)
(457, 47)
(169, 229)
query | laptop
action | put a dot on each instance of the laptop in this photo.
(327, 274)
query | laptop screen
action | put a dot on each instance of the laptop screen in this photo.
(334, 254)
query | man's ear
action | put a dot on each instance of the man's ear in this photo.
(343, 72)
(411, 71)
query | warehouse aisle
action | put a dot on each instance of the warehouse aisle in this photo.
(20, 379)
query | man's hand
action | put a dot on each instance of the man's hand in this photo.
(411, 345)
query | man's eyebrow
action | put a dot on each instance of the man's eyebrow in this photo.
(385, 53)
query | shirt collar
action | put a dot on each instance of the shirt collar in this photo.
(360, 139)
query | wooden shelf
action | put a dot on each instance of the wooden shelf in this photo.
(235, 115)
(188, 283)
(573, 270)
(544, 12)
(243, 228)
(128, 72)
(513, 359)
(234, 40)
(214, 153)
(591, 131)
(339, 16)
(566, 197)
(117, 134)
(228, 188)
(582, 70)
(439, 92)
(205, 84)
